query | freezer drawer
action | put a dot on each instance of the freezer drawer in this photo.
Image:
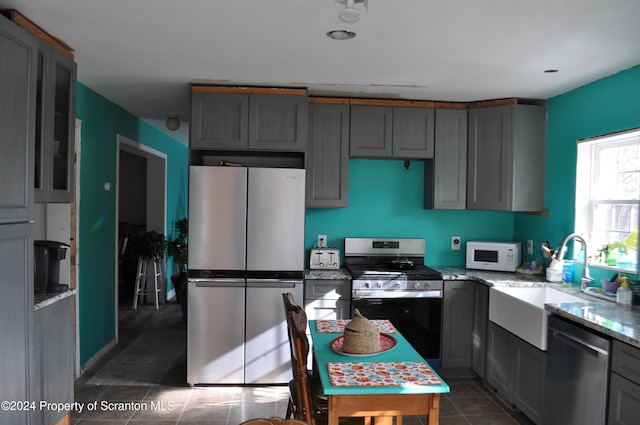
(215, 333)
(268, 358)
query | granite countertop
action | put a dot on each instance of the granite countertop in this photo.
(43, 300)
(339, 274)
(607, 317)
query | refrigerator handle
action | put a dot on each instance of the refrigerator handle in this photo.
(272, 283)
(217, 283)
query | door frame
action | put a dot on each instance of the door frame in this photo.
(156, 199)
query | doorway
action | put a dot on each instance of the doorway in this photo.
(140, 202)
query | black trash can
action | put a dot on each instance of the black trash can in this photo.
(48, 255)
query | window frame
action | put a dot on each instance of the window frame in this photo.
(587, 176)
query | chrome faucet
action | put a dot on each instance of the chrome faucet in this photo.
(559, 255)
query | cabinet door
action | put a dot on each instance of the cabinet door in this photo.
(529, 379)
(17, 121)
(479, 333)
(624, 401)
(62, 143)
(489, 157)
(413, 132)
(499, 360)
(277, 122)
(327, 158)
(371, 131)
(16, 312)
(55, 356)
(219, 121)
(457, 324)
(446, 175)
(327, 289)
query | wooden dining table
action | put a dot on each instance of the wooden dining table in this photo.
(393, 383)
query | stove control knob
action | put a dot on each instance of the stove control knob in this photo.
(379, 285)
(367, 285)
(427, 285)
(396, 285)
(416, 285)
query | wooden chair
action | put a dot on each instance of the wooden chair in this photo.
(311, 405)
(274, 421)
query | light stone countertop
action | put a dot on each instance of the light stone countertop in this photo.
(44, 300)
(339, 274)
(607, 317)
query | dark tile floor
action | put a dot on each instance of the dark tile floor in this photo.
(175, 403)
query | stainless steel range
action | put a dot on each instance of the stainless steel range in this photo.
(390, 281)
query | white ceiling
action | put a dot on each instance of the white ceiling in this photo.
(144, 54)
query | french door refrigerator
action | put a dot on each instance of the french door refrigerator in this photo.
(246, 247)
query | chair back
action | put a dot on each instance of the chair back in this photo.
(297, 325)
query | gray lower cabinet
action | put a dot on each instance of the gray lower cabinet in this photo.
(257, 122)
(53, 358)
(392, 132)
(445, 183)
(464, 328)
(624, 385)
(16, 307)
(516, 370)
(506, 158)
(55, 126)
(327, 157)
(479, 331)
(327, 299)
(457, 327)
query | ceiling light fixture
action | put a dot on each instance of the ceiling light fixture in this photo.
(173, 123)
(341, 34)
(350, 14)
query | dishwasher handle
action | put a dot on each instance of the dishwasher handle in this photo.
(578, 342)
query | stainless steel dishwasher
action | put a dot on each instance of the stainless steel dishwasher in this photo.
(577, 375)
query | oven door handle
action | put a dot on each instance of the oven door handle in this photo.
(364, 294)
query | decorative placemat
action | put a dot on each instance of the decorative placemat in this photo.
(373, 374)
(337, 326)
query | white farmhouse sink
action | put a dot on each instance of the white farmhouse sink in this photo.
(521, 311)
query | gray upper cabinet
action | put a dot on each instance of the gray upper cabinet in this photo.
(18, 51)
(445, 182)
(55, 126)
(278, 122)
(219, 121)
(506, 158)
(391, 132)
(241, 119)
(371, 131)
(327, 158)
(413, 132)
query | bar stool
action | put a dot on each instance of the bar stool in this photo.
(144, 275)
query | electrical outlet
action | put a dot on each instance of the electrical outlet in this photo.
(455, 243)
(322, 241)
(530, 247)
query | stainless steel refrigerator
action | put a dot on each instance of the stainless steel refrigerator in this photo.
(246, 247)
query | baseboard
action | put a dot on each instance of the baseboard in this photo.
(96, 357)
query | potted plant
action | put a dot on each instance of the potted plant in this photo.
(177, 248)
(146, 244)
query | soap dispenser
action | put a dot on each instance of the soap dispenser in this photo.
(624, 295)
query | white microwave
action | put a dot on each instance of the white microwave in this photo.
(496, 256)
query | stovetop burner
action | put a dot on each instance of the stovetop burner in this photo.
(381, 271)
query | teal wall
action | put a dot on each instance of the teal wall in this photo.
(387, 201)
(102, 121)
(605, 106)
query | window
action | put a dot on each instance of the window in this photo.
(607, 198)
